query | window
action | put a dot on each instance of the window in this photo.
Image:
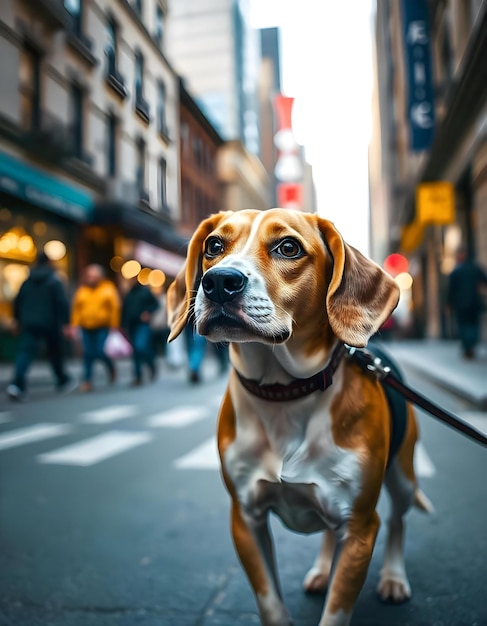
(161, 108)
(112, 146)
(111, 47)
(30, 87)
(75, 9)
(185, 138)
(139, 76)
(113, 77)
(140, 173)
(142, 107)
(197, 156)
(77, 119)
(187, 192)
(163, 182)
(159, 32)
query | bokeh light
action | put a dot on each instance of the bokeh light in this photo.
(116, 263)
(130, 269)
(404, 280)
(157, 278)
(144, 276)
(55, 250)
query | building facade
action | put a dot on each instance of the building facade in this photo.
(89, 133)
(199, 145)
(454, 34)
(217, 53)
(243, 180)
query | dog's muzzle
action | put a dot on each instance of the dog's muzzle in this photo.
(223, 284)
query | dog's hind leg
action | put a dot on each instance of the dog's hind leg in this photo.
(316, 580)
(401, 484)
(394, 585)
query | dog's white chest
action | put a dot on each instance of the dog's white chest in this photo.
(291, 465)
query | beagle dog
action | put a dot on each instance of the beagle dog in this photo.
(285, 290)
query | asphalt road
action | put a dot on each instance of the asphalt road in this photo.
(131, 528)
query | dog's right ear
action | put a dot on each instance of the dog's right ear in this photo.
(182, 292)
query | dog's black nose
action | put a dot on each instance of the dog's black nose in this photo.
(222, 284)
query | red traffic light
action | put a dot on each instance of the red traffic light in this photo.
(396, 264)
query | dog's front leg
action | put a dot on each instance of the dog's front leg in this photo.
(355, 552)
(253, 543)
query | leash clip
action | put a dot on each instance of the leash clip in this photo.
(370, 362)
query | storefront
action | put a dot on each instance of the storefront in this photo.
(139, 242)
(37, 213)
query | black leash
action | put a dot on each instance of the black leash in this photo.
(374, 364)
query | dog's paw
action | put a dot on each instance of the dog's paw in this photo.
(316, 581)
(393, 588)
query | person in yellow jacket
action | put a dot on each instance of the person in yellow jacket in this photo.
(95, 310)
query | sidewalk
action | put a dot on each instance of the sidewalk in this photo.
(40, 375)
(442, 362)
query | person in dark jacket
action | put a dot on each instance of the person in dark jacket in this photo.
(138, 306)
(41, 313)
(465, 300)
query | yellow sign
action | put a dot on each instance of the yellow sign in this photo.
(435, 203)
(411, 236)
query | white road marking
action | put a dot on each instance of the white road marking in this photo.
(423, 465)
(178, 417)
(29, 434)
(5, 416)
(109, 414)
(204, 456)
(95, 449)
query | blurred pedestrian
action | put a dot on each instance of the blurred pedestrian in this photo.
(95, 310)
(159, 325)
(196, 350)
(465, 301)
(138, 306)
(41, 314)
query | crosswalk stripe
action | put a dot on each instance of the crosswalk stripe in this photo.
(29, 434)
(96, 449)
(204, 456)
(423, 465)
(109, 414)
(178, 417)
(5, 416)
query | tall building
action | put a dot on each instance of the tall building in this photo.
(217, 53)
(269, 87)
(428, 154)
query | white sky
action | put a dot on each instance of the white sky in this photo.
(326, 66)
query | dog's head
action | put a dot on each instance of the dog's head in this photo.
(267, 276)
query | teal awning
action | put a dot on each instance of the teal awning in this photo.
(36, 187)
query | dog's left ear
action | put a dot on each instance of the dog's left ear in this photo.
(360, 296)
(181, 293)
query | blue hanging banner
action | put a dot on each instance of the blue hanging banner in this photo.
(421, 104)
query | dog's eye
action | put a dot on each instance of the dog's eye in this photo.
(289, 248)
(214, 247)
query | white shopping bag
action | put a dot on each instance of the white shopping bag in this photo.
(116, 345)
